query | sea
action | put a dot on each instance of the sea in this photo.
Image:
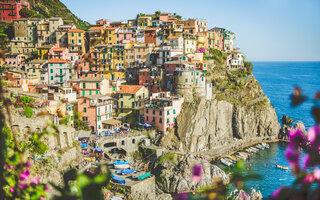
(278, 80)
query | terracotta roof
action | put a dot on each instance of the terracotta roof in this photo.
(130, 89)
(96, 28)
(58, 61)
(174, 37)
(151, 29)
(111, 28)
(76, 31)
(58, 49)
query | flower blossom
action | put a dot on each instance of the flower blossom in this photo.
(35, 180)
(24, 175)
(196, 173)
(316, 174)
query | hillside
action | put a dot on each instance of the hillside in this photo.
(54, 8)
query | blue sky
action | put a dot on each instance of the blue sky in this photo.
(266, 30)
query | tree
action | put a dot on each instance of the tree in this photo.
(249, 66)
(157, 13)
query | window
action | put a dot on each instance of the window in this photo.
(186, 80)
(84, 85)
(168, 112)
(168, 121)
(147, 119)
(147, 111)
(84, 109)
(153, 111)
(132, 104)
(83, 93)
(132, 95)
(90, 92)
(174, 111)
(51, 71)
(160, 112)
(51, 78)
(160, 120)
(121, 95)
(121, 103)
(133, 141)
(97, 85)
(122, 142)
(84, 100)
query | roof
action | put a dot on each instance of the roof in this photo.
(111, 28)
(130, 89)
(76, 31)
(58, 61)
(174, 37)
(83, 133)
(112, 122)
(58, 49)
(151, 29)
(87, 80)
(49, 46)
(37, 61)
(96, 28)
(97, 96)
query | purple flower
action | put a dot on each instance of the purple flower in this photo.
(306, 160)
(296, 138)
(11, 190)
(22, 185)
(28, 164)
(181, 196)
(292, 156)
(197, 173)
(314, 136)
(24, 175)
(276, 192)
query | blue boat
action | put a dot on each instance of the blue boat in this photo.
(119, 171)
(118, 179)
(119, 162)
(128, 171)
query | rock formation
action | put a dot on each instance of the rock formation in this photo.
(174, 176)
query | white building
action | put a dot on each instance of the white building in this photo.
(59, 72)
(189, 45)
(176, 42)
(165, 54)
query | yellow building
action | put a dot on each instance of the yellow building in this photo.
(112, 61)
(132, 99)
(76, 41)
(43, 51)
(144, 21)
(202, 40)
(110, 35)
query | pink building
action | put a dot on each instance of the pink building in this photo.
(125, 35)
(152, 79)
(171, 66)
(89, 68)
(63, 53)
(163, 110)
(164, 17)
(15, 60)
(95, 110)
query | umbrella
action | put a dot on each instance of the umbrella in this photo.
(102, 134)
(108, 133)
(83, 145)
(139, 124)
(97, 149)
(115, 130)
(147, 125)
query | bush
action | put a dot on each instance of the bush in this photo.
(28, 112)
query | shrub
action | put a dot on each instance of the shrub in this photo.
(28, 112)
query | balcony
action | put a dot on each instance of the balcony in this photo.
(104, 103)
(60, 75)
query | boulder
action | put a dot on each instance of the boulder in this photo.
(286, 120)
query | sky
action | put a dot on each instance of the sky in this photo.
(265, 30)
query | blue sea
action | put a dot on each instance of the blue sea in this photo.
(278, 80)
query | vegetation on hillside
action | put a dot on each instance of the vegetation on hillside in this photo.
(54, 8)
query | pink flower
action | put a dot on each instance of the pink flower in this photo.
(196, 173)
(309, 178)
(28, 164)
(292, 156)
(46, 188)
(316, 174)
(276, 192)
(11, 190)
(35, 180)
(314, 136)
(41, 197)
(306, 160)
(181, 196)
(22, 186)
(24, 175)
(296, 138)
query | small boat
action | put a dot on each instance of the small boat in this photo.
(128, 171)
(225, 162)
(141, 175)
(282, 167)
(266, 145)
(254, 149)
(117, 179)
(121, 164)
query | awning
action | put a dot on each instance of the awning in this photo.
(112, 122)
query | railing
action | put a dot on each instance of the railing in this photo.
(101, 103)
(60, 75)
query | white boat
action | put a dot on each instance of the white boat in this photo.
(225, 162)
(122, 166)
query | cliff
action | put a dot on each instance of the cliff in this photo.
(239, 113)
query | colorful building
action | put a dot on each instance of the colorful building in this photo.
(91, 86)
(152, 78)
(10, 9)
(76, 41)
(144, 21)
(132, 99)
(15, 60)
(59, 72)
(95, 110)
(163, 110)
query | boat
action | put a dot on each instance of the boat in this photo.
(128, 171)
(225, 162)
(266, 145)
(282, 167)
(141, 175)
(121, 164)
(118, 179)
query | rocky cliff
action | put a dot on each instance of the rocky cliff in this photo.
(238, 113)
